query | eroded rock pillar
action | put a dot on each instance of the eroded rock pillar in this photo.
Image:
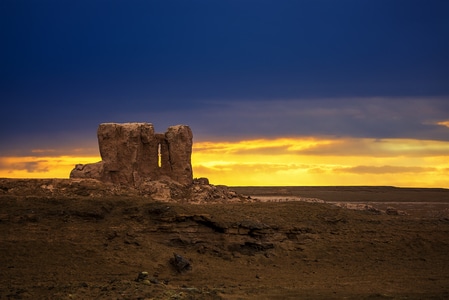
(179, 140)
(133, 153)
(128, 152)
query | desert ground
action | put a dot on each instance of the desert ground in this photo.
(282, 243)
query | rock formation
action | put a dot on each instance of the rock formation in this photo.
(132, 153)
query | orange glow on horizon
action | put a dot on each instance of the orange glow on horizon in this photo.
(286, 161)
(42, 166)
(313, 161)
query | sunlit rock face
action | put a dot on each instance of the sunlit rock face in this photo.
(133, 153)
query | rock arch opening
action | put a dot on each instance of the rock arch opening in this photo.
(159, 155)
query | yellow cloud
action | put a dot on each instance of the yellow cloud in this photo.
(327, 147)
(285, 161)
(313, 161)
(384, 169)
(41, 166)
(444, 123)
(246, 146)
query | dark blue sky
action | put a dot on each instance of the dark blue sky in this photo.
(227, 68)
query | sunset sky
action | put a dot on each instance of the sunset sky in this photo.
(306, 92)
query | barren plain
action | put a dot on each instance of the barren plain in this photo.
(394, 245)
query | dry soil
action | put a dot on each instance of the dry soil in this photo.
(95, 248)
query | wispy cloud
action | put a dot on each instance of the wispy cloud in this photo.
(287, 161)
(28, 165)
(24, 150)
(328, 147)
(290, 142)
(314, 161)
(41, 167)
(384, 169)
(380, 148)
(279, 174)
(378, 118)
(444, 123)
(237, 120)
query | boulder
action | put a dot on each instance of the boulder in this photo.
(180, 263)
(94, 170)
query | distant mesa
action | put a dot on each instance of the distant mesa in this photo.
(132, 154)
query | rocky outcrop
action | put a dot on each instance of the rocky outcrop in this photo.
(160, 190)
(132, 153)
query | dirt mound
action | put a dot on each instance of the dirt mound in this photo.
(127, 246)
